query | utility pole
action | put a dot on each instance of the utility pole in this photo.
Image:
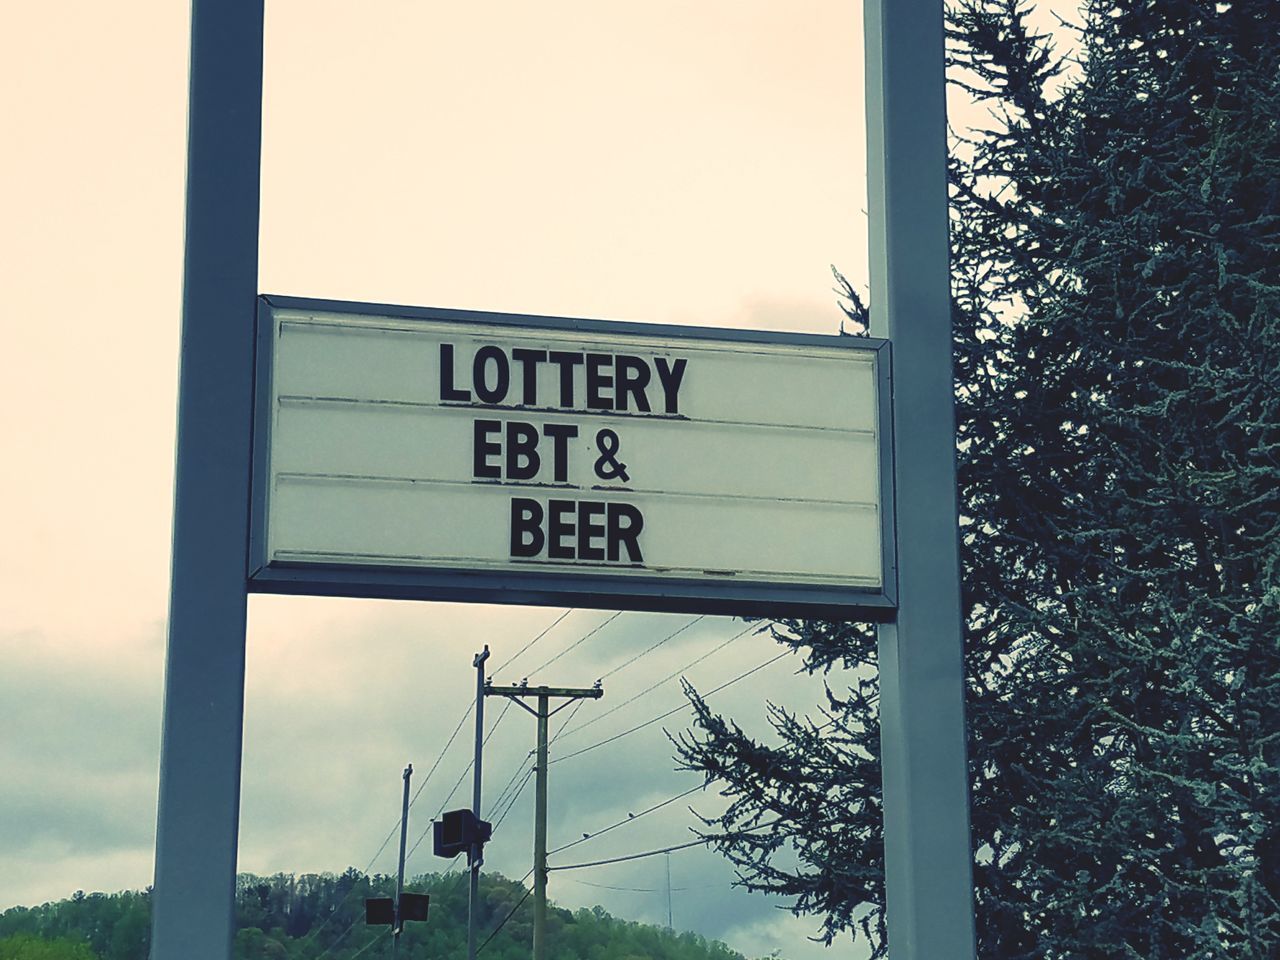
(670, 926)
(475, 855)
(394, 911)
(398, 923)
(543, 714)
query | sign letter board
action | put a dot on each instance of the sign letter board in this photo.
(459, 455)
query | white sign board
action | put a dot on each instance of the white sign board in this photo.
(652, 461)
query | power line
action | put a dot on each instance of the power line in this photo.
(369, 944)
(670, 636)
(608, 886)
(374, 858)
(663, 716)
(567, 720)
(448, 743)
(514, 797)
(581, 640)
(633, 856)
(631, 818)
(653, 853)
(494, 728)
(461, 778)
(654, 686)
(329, 949)
(496, 929)
(512, 660)
(502, 794)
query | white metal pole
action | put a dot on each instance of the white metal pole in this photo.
(397, 922)
(474, 854)
(193, 902)
(928, 859)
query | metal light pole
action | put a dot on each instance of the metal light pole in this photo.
(397, 924)
(475, 854)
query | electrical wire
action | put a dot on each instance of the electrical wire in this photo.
(654, 686)
(653, 853)
(374, 858)
(567, 720)
(502, 794)
(663, 716)
(511, 660)
(514, 798)
(577, 643)
(445, 749)
(496, 929)
(607, 886)
(329, 949)
(494, 728)
(467, 769)
(632, 856)
(631, 818)
(670, 636)
(366, 947)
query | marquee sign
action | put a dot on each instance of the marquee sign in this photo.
(448, 454)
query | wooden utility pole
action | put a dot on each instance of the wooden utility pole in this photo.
(543, 713)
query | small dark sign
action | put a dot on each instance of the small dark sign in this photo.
(413, 906)
(380, 910)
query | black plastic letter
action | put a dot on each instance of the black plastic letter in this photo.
(447, 390)
(526, 527)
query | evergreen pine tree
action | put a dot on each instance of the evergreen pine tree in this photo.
(1116, 279)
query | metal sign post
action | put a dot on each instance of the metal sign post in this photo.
(475, 855)
(193, 904)
(928, 860)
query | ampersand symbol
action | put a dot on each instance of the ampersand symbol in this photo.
(607, 465)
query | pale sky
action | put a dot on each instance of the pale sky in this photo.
(665, 162)
(668, 162)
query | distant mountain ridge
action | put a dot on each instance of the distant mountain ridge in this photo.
(306, 917)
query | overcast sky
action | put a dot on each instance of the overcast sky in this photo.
(667, 162)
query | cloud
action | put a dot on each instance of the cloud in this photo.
(80, 760)
(687, 182)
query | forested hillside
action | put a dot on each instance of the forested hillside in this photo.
(287, 917)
